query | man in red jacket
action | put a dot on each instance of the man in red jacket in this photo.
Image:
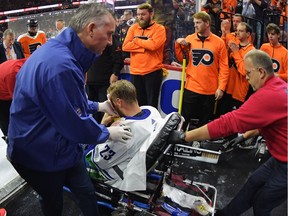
(264, 112)
(8, 72)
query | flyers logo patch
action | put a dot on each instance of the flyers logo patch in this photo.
(34, 46)
(203, 56)
(276, 65)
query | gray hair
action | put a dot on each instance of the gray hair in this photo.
(261, 59)
(86, 14)
(8, 32)
(60, 20)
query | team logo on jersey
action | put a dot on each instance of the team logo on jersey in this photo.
(276, 65)
(203, 56)
(107, 153)
(34, 46)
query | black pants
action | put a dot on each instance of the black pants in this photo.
(227, 104)
(148, 87)
(4, 115)
(49, 185)
(197, 106)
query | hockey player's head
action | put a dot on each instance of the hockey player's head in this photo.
(32, 25)
(123, 97)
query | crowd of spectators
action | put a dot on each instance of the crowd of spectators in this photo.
(7, 5)
(46, 22)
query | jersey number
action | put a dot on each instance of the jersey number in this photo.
(107, 153)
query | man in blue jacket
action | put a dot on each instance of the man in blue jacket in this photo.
(50, 113)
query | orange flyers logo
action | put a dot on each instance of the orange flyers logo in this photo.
(276, 65)
(203, 56)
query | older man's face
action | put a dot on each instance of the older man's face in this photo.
(101, 36)
(252, 74)
(9, 40)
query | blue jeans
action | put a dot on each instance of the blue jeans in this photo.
(49, 185)
(264, 190)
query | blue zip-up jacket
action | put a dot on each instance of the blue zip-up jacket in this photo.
(50, 111)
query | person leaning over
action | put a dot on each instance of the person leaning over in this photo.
(265, 111)
(276, 51)
(145, 41)
(207, 70)
(50, 113)
(8, 72)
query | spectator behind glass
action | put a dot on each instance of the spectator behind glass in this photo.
(165, 14)
(10, 49)
(237, 87)
(212, 7)
(60, 25)
(33, 39)
(226, 35)
(50, 113)
(125, 21)
(145, 41)
(257, 8)
(276, 51)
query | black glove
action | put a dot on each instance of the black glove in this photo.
(232, 143)
(176, 137)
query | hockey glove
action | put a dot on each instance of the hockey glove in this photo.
(176, 137)
(120, 133)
